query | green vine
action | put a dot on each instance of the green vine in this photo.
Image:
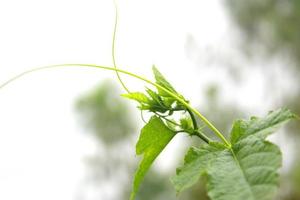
(234, 167)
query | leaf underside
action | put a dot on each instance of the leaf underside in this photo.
(153, 139)
(247, 171)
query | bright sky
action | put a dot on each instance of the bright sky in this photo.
(41, 143)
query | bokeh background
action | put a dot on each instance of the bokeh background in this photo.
(66, 134)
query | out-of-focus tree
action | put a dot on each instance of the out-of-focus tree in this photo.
(105, 114)
(273, 24)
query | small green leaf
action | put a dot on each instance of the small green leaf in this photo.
(168, 101)
(156, 103)
(137, 96)
(155, 97)
(153, 139)
(160, 80)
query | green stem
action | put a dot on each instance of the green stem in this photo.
(195, 126)
(210, 125)
(195, 131)
(203, 137)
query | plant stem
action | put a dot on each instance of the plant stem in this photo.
(208, 123)
(195, 126)
(203, 137)
(212, 127)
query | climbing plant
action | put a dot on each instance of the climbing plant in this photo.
(243, 166)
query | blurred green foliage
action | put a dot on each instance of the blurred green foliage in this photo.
(218, 112)
(274, 24)
(106, 114)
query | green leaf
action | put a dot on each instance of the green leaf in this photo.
(168, 101)
(153, 139)
(261, 127)
(160, 80)
(156, 103)
(155, 97)
(248, 170)
(195, 164)
(137, 96)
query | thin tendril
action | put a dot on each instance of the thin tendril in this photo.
(113, 47)
(165, 118)
(208, 123)
(142, 116)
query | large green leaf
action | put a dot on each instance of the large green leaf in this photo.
(153, 139)
(248, 170)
